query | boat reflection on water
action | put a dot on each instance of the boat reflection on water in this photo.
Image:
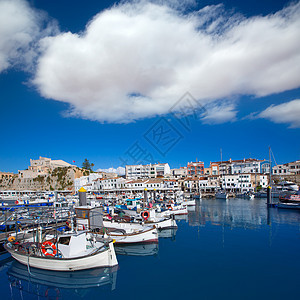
(183, 217)
(167, 233)
(137, 249)
(236, 212)
(47, 283)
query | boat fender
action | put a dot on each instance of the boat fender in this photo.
(46, 245)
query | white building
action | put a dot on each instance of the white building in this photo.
(291, 168)
(191, 184)
(249, 165)
(155, 184)
(147, 171)
(171, 184)
(136, 185)
(243, 182)
(179, 173)
(142, 184)
(109, 184)
(209, 183)
(87, 182)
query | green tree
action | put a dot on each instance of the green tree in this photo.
(87, 165)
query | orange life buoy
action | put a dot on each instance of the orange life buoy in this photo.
(48, 245)
(145, 215)
(11, 239)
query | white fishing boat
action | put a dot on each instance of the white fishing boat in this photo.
(173, 210)
(71, 251)
(146, 218)
(129, 233)
(221, 195)
(189, 202)
(246, 195)
(149, 217)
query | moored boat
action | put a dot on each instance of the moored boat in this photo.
(129, 233)
(289, 205)
(71, 251)
(294, 198)
(221, 195)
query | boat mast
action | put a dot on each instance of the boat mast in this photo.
(270, 174)
(270, 170)
(220, 170)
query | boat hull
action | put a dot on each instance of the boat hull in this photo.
(145, 236)
(289, 205)
(106, 258)
(221, 196)
(176, 212)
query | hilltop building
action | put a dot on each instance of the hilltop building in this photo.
(45, 174)
(42, 166)
(6, 175)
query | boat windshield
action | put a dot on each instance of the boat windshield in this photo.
(64, 240)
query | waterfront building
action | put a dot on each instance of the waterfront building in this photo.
(155, 184)
(191, 185)
(171, 184)
(109, 184)
(137, 185)
(209, 184)
(265, 167)
(195, 168)
(179, 172)
(243, 182)
(260, 180)
(292, 168)
(246, 165)
(147, 171)
(214, 168)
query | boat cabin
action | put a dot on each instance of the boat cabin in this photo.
(72, 245)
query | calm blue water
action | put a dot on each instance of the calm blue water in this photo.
(221, 250)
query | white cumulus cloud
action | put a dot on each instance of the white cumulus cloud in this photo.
(135, 60)
(21, 27)
(288, 113)
(119, 170)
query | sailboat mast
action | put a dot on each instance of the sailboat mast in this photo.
(270, 177)
(270, 171)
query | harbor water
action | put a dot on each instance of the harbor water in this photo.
(223, 249)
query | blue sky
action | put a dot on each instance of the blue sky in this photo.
(173, 81)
